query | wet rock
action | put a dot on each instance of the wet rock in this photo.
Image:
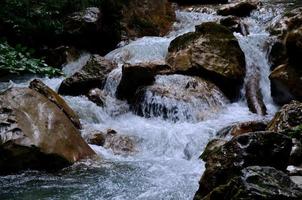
(290, 21)
(36, 134)
(211, 52)
(257, 182)
(241, 128)
(277, 55)
(293, 43)
(137, 76)
(297, 180)
(51, 95)
(296, 153)
(57, 57)
(289, 25)
(97, 96)
(234, 24)
(92, 75)
(119, 144)
(286, 79)
(193, 2)
(239, 9)
(179, 97)
(212, 147)
(254, 95)
(289, 117)
(286, 84)
(97, 139)
(257, 148)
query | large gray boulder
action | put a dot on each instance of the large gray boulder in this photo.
(255, 182)
(211, 52)
(36, 134)
(225, 161)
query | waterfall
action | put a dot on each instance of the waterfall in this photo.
(170, 131)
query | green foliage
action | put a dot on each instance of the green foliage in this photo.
(18, 60)
(39, 16)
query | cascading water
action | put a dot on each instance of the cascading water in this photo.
(165, 164)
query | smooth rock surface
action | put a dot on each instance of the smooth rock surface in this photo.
(36, 134)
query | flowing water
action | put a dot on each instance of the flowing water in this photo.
(165, 164)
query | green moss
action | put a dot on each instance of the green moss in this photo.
(182, 41)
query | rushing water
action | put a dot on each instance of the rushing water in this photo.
(165, 164)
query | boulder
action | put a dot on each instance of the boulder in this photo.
(257, 148)
(36, 134)
(239, 9)
(83, 29)
(211, 52)
(293, 43)
(241, 128)
(193, 2)
(146, 18)
(97, 139)
(118, 144)
(51, 95)
(289, 117)
(296, 153)
(179, 97)
(234, 24)
(135, 76)
(255, 182)
(290, 22)
(97, 96)
(286, 84)
(59, 56)
(92, 75)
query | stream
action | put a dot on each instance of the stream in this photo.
(166, 163)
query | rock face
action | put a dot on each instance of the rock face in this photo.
(286, 59)
(241, 128)
(136, 76)
(36, 134)
(289, 117)
(293, 43)
(257, 148)
(141, 18)
(211, 52)
(286, 84)
(263, 183)
(239, 9)
(92, 75)
(84, 28)
(179, 97)
(43, 89)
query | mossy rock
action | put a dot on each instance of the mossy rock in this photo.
(213, 53)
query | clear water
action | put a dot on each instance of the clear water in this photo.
(166, 164)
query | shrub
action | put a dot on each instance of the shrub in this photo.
(18, 60)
